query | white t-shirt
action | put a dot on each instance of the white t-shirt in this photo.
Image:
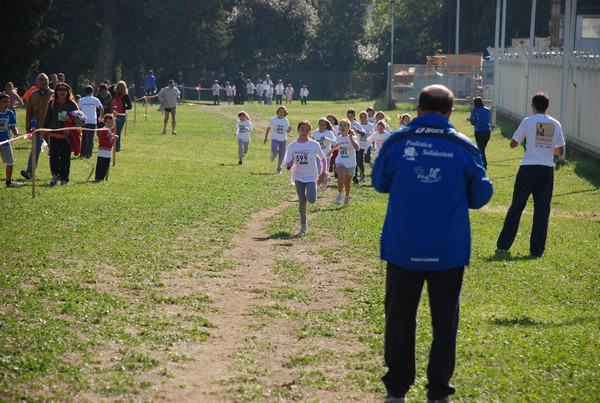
(326, 140)
(303, 92)
(168, 97)
(279, 128)
(215, 89)
(229, 90)
(243, 130)
(378, 140)
(364, 132)
(279, 89)
(346, 154)
(306, 156)
(259, 88)
(88, 105)
(250, 88)
(542, 134)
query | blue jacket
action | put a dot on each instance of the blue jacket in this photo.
(433, 175)
(481, 118)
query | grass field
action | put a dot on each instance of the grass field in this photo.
(89, 311)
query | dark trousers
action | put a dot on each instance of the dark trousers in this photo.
(482, 139)
(102, 165)
(402, 297)
(60, 158)
(87, 141)
(536, 180)
(360, 163)
(38, 150)
(120, 126)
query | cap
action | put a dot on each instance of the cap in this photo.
(171, 82)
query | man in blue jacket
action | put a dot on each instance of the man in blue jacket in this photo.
(433, 175)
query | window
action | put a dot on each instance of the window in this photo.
(590, 28)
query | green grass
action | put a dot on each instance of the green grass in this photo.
(87, 268)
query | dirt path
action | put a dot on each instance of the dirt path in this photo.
(248, 351)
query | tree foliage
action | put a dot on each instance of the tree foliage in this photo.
(22, 42)
(123, 38)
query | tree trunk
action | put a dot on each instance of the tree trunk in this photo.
(108, 41)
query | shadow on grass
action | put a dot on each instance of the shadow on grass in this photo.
(526, 321)
(277, 235)
(508, 257)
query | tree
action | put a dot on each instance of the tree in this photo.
(270, 35)
(22, 42)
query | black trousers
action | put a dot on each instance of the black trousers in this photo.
(482, 139)
(536, 180)
(102, 165)
(402, 297)
(60, 158)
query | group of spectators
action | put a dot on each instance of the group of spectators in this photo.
(263, 91)
(52, 104)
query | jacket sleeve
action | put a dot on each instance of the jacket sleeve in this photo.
(479, 186)
(126, 102)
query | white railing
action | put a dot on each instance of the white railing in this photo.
(522, 72)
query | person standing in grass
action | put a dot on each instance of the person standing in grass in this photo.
(345, 162)
(301, 157)
(8, 123)
(433, 175)
(480, 118)
(280, 127)
(216, 88)
(242, 132)
(92, 109)
(303, 95)
(106, 141)
(544, 139)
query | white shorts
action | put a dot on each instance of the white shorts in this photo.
(7, 155)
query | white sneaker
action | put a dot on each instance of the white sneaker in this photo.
(14, 184)
(338, 199)
(303, 229)
(346, 201)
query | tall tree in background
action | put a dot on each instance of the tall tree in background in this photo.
(108, 39)
(341, 26)
(76, 54)
(22, 42)
(270, 35)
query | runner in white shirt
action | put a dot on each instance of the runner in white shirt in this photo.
(326, 139)
(280, 127)
(345, 162)
(302, 157)
(242, 132)
(380, 117)
(378, 138)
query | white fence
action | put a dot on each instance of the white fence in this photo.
(522, 73)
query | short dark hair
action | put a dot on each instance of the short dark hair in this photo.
(478, 102)
(89, 90)
(540, 101)
(436, 100)
(4, 95)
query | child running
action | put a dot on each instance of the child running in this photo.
(280, 127)
(242, 132)
(326, 139)
(365, 151)
(345, 163)
(334, 124)
(302, 156)
(378, 138)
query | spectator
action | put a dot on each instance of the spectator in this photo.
(424, 240)
(92, 108)
(150, 85)
(544, 138)
(60, 105)
(120, 103)
(36, 110)
(8, 123)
